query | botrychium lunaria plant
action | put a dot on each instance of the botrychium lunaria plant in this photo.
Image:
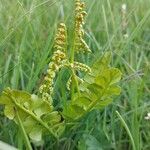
(36, 114)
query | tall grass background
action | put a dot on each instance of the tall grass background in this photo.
(27, 29)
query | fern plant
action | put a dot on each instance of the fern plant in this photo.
(36, 115)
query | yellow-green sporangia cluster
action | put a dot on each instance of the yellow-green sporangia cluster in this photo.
(60, 42)
(77, 66)
(58, 60)
(80, 44)
(82, 67)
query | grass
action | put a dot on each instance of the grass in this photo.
(27, 29)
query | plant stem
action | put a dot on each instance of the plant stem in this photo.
(74, 79)
(73, 46)
(72, 62)
(127, 129)
(28, 145)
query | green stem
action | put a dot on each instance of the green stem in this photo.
(73, 47)
(127, 129)
(74, 80)
(28, 145)
(72, 62)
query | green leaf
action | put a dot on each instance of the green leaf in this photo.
(109, 76)
(82, 101)
(103, 103)
(4, 100)
(52, 118)
(31, 110)
(101, 64)
(113, 90)
(97, 91)
(115, 75)
(21, 96)
(36, 133)
(29, 123)
(9, 112)
(72, 111)
(42, 109)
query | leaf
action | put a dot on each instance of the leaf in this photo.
(9, 112)
(29, 123)
(101, 64)
(72, 111)
(36, 133)
(42, 109)
(109, 76)
(52, 118)
(4, 100)
(113, 90)
(82, 101)
(31, 110)
(115, 75)
(21, 96)
(97, 91)
(102, 103)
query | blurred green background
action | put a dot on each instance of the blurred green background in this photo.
(27, 29)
